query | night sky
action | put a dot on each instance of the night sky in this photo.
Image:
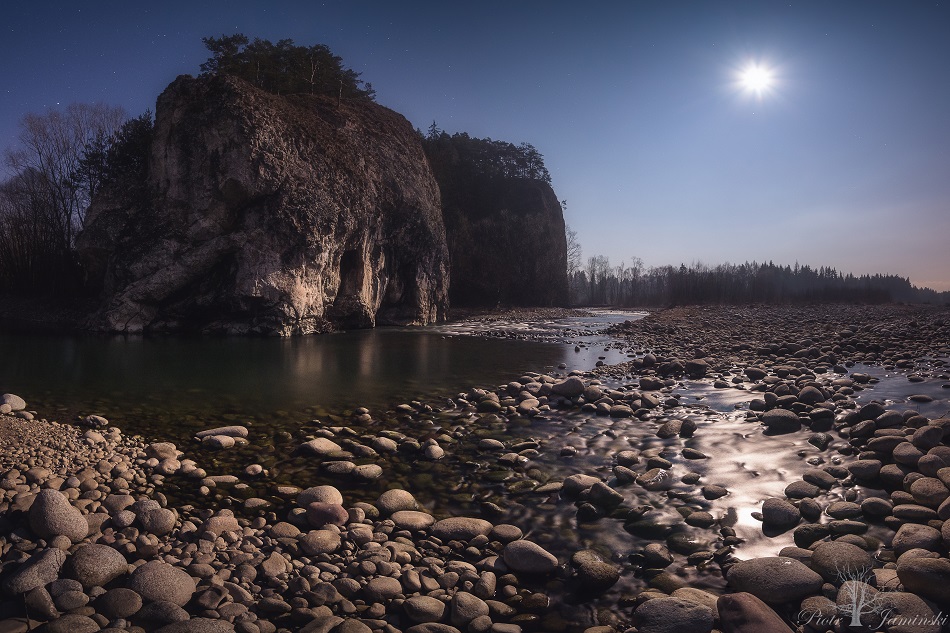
(639, 108)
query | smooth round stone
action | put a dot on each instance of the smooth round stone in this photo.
(744, 613)
(701, 519)
(876, 507)
(594, 575)
(914, 536)
(381, 589)
(217, 442)
(424, 609)
(460, 528)
(569, 388)
(253, 470)
(914, 513)
(865, 469)
(929, 491)
(528, 557)
(15, 402)
(119, 603)
(159, 521)
(843, 510)
(320, 447)
(319, 542)
(673, 615)
(221, 523)
(368, 472)
(836, 560)
(906, 453)
(162, 450)
(282, 529)
(38, 571)
(505, 533)
(779, 512)
(801, 489)
(158, 581)
(320, 514)
(72, 623)
(198, 625)
(96, 565)
(774, 579)
(412, 520)
(926, 577)
(323, 494)
(339, 467)
(576, 484)
(230, 431)
(396, 500)
(780, 421)
(52, 515)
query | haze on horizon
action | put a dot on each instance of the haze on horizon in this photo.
(833, 152)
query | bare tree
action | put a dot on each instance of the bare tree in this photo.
(43, 203)
(573, 251)
(52, 146)
(857, 597)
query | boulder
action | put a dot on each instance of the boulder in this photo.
(52, 515)
(774, 579)
(744, 613)
(159, 581)
(528, 557)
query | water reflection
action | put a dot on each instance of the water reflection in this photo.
(374, 368)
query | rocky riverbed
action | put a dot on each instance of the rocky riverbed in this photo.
(595, 501)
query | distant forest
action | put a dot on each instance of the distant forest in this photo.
(599, 283)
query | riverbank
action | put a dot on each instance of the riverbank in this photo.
(259, 555)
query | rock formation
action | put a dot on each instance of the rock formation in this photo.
(271, 214)
(505, 232)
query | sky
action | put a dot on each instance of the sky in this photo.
(652, 139)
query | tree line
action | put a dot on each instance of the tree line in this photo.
(596, 282)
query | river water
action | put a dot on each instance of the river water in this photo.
(168, 388)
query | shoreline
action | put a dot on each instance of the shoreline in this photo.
(785, 358)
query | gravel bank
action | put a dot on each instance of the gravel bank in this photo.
(93, 543)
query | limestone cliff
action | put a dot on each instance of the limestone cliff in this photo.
(271, 214)
(506, 241)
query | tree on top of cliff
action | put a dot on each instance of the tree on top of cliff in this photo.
(482, 157)
(284, 68)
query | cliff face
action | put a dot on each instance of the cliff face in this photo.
(507, 242)
(270, 214)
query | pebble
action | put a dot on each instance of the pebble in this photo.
(529, 557)
(673, 615)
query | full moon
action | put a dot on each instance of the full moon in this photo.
(756, 79)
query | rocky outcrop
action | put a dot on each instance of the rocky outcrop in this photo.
(506, 240)
(271, 214)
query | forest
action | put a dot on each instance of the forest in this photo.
(599, 283)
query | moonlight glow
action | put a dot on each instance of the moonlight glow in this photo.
(757, 79)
